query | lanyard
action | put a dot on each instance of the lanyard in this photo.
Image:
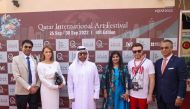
(137, 68)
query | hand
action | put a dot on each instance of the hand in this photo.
(125, 96)
(105, 94)
(153, 98)
(60, 86)
(72, 100)
(178, 102)
(33, 89)
(95, 99)
(149, 99)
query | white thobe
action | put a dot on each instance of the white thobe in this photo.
(83, 85)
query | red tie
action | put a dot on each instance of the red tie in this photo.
(164, 63)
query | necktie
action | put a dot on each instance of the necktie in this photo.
(164, 65)
(29, 71)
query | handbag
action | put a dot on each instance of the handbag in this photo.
(58, 79)
(130, 83)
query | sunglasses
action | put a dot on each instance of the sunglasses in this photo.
(28, 47)
(164, 48)
(82, 53)
(137, 51)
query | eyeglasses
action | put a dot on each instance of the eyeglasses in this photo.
(28, 47)
(137, 51)
(164, 48)
(82, 53)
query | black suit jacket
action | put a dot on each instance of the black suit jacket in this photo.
(172, 82)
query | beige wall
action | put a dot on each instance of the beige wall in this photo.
(6, 6)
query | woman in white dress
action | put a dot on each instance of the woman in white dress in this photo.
(46, 71)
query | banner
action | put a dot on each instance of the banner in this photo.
(101, 31)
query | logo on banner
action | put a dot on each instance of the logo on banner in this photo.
(155, 55)
(61, 101)
(186, 44)
(102, 56)
(72, 55)
(11, 79)
(11, 89)
(3, 90)
(38, 45)
(128, 44)
(73, 44)
(4, 100)
(115, 44)
(62, 44)
(4, 79)
(12, 45)
(89, 43)
(99, 44)
(46, 43)
(2, 68)
(60, 56)
(145, 42)
(9, 68)
(10, 56)
(127, 56)
(64, 67)
(12, 101)
(155, 44)
(8, 25)
(3, 57)
(100, 68)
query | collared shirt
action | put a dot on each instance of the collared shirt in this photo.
(33, 69)
(168, 58)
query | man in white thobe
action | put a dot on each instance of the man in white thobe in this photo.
(83, 81)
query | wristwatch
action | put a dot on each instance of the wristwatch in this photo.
(180, 98)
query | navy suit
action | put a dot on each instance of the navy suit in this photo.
(171, 83)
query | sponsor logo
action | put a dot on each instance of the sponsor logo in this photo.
(2, 67)
(127, 56)
(9, 25)
(72, 44)
(115, 44)
(155, 44)
(72, 55)
(12, 45)
(4, 100)
(10, 56)
(3, 57)
(37, 45)
(12, 101)
(64, 67)
(100, 68)
(62, 44)
(99, 44)
(89, 43)
(60, 56)
(11, 89)
(46, 43)
(145, 42)
(4, 79)
(102, 56)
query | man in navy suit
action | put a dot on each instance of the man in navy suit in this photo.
(171, 75)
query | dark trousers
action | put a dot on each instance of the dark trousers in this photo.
(163, 105)
(32, 99)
